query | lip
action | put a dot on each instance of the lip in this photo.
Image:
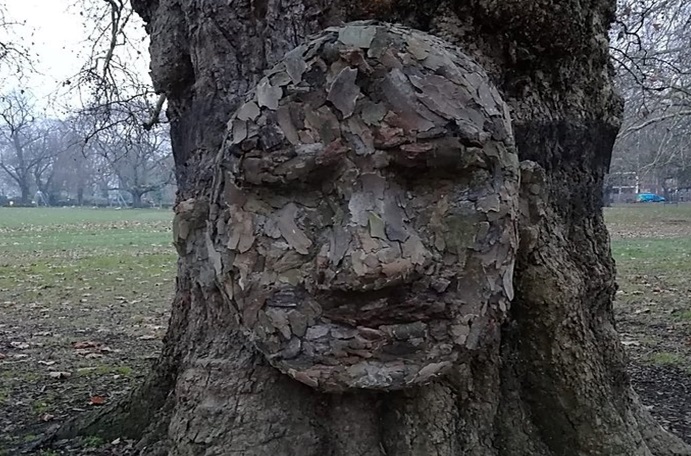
(387, 306)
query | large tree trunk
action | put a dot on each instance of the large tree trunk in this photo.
(136, 199)
(555, 384)
(25, 189)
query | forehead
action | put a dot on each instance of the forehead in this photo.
(372, 97)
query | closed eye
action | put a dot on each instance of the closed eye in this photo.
(307, 163)
(439, 157)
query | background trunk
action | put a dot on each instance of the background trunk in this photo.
(25, 190)
(555, 385)
(136, 199)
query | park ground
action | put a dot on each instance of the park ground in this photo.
(85, 296)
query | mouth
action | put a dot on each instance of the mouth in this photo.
(369, 308)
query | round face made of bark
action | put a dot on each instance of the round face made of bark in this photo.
(363, 217)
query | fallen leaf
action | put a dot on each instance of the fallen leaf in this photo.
(19, 345)
(59, 375)
(116, 441)
(147, 337)
(47, 363)
(47, 417)
(97, 400)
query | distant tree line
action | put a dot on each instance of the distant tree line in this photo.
(77, 161)
(113, 148)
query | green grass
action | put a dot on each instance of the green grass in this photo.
(661, 256)
(22, 217)
(646, 213)
(21, 376)
(52, 231)
(48, 253)
(107, 275)
(40, 407)
(651, 244)
(652, 239)
(667, 359)
(74, 275)
(92, 441)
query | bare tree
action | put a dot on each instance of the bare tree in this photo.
(15, 56)
(19, 154)
(111, 82)
(140, 160)
(66, 170)
(653, 62)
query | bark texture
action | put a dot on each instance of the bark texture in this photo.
(553, 383)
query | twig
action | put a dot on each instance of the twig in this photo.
(154, 119)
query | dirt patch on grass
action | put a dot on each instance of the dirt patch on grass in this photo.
(665, 390)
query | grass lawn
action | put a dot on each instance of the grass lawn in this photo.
(84, 300)
(651, 244)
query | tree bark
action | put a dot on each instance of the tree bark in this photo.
(555, 384)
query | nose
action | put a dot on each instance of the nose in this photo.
(376, 262)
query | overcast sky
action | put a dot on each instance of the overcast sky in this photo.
(59, 35)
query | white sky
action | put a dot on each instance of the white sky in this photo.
(56, 35)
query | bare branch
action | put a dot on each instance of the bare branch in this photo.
(154, 119)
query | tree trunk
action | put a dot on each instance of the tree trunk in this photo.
(80, 195)
(554, 384)
(136, 199)
(25, 190)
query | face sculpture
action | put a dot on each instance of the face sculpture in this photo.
(363, 217)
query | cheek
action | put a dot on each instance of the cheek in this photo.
(456, 229)
(443, 217)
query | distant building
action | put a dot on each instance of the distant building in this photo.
(622, 187)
